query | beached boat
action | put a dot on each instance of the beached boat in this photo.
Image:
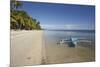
(67, 41)
(63, 41)
(72, 42)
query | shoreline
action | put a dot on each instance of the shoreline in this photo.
(32, 48)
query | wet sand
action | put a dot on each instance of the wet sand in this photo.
(26, 48)
(63, 54)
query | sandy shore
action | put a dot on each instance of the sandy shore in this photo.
(32, 48)
(26, 48)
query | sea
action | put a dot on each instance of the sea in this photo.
(83, 51)
(57, 35)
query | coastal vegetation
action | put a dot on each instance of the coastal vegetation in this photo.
(20, 19)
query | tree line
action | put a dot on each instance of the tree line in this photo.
(20, 19)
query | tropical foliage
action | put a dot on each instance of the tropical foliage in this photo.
(20, 19)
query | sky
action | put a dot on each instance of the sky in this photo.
(61, 16)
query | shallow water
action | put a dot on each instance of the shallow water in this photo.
(62, 53)
(55, 36)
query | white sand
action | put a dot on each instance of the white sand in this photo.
(26, 48)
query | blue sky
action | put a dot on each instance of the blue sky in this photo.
(61, 16)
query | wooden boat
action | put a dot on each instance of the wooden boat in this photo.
(67, 41)
(72, 42)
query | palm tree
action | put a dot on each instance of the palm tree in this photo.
(20, 19)
(38, 25)
(15, 4)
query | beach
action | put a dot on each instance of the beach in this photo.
(26, 48)
(33, 48)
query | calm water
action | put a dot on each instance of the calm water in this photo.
(54, 36)
(63, 54)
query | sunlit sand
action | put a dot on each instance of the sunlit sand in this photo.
(26, 47)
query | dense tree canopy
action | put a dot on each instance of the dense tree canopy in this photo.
(20, 19)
